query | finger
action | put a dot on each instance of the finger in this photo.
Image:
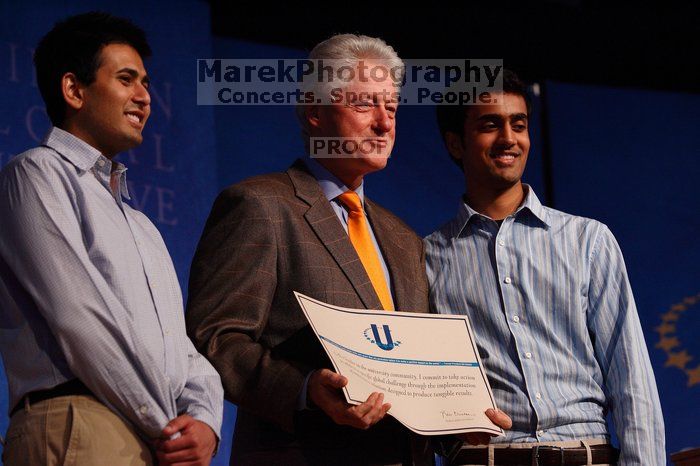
(362, 409)
(332, 379)
(325, 396)
(378, 409)
(177, 424)
(181, 443)
(386, 407)
(376, 413)
(379, 401)
(361, 416)
(499, 418)
(376, 405)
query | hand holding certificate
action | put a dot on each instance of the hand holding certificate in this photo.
(427, 366)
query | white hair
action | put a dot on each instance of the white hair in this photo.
(346, 50)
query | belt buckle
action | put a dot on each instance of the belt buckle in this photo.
(536, 454)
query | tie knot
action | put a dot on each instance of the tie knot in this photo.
(351, 200)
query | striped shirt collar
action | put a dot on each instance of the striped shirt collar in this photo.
(531, 204)
(84, 156)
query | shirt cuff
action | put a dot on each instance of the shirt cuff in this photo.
(302, 401)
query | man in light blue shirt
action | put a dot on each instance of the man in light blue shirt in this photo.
(99, 366)
(548, 297)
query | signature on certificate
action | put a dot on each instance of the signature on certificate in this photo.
(455, 414)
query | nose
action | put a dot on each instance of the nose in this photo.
(383, 122)
(508, 138)
(141, 95)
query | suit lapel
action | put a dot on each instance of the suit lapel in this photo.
(324, 222)
(394, 255)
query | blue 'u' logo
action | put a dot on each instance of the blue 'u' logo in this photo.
(389, 345)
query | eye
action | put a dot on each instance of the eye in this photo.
(363, 105)
(519, 127)
(125, 79)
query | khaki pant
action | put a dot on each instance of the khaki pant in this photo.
(586, 443)
(72, 430)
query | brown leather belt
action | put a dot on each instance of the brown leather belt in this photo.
(538, 455)
(72, 387)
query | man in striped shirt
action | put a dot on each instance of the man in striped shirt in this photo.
(548, 297)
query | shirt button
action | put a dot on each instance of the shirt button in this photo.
(516, 319)
(528, 355)
(538, 395)
(143, 409)
(501, 243)
(540, 433)
(167, 332)
(101, 163)
(507, 280)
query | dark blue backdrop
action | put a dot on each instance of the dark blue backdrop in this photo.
(624, 157)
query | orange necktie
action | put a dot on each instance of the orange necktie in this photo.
(362, 241)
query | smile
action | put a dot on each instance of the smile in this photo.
(134, 117)
(505, 158)
(379, 142)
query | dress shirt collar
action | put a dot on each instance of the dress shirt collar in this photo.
(331, 186)
(531, 204)
(84, 156)
(75, 150)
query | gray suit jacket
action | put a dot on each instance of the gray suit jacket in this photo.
(265, 238)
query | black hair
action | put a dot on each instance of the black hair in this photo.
(450, 118)
(74, 45)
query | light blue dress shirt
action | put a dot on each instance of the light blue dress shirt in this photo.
(556, 325)
(88, 290)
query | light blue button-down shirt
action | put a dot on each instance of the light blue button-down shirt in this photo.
(88, 290)
(555, 322)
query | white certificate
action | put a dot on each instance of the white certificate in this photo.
(426, 365)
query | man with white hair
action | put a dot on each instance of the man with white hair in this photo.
(310, 230)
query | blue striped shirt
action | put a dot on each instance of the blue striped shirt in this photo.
(555, 321)
(88, 290)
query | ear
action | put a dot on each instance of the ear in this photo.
(311, 115)
(454, 145)
(73, 91)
